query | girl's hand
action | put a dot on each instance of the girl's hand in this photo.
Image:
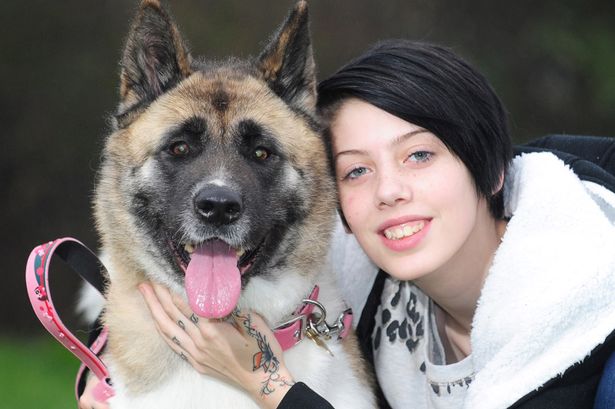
(86, 400)
(241, 350)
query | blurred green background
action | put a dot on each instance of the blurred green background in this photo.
(36, 374)
(552, 62)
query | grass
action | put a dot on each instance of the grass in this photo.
(36, 374)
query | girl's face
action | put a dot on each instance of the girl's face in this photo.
(411, 203)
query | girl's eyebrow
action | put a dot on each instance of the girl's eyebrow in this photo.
(406, 136)
(396, 141)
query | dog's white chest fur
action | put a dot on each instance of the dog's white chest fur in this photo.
(187, 389)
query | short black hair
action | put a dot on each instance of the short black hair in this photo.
(431, 87)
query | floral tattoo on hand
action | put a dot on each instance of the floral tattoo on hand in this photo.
(264, 359)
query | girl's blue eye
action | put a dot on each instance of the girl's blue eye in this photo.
(420, 156)
(355, 173)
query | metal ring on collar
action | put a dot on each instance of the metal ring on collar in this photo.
(320, 317)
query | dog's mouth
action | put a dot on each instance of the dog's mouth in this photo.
(213, 271)
(183, 254)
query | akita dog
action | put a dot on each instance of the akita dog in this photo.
(215, 183)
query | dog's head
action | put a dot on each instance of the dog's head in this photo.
(215, 174)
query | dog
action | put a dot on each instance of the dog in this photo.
(220, 161)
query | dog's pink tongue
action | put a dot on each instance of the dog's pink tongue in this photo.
(213, 281)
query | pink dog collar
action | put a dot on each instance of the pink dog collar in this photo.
(289, 333)
(84, 262)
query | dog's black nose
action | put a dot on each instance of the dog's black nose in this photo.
(218, 204)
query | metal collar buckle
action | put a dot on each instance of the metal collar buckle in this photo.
(310, 321)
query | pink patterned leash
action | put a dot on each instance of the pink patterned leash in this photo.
(88, 266)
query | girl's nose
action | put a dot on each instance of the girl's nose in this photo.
(392, 188)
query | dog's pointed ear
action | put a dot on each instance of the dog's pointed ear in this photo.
(287, 62)
(154, 59)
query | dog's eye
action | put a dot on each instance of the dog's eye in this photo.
(261, 154)
(179, 149)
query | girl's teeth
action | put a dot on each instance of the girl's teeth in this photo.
(397, 233)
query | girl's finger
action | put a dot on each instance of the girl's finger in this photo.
(87, 401)
(188, 353)
(186, 338)
(172, 329)
(181, 304)
(177, 310)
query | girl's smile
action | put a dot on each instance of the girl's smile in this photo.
(406, 233)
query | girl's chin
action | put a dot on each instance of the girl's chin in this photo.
(404, 268)
(399, 273)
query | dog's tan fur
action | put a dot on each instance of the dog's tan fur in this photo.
(138, 353)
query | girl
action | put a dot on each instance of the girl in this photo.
(496, 275)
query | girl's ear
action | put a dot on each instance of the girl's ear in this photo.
(498, 189)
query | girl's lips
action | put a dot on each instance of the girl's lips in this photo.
(400, 221)
(404, 234)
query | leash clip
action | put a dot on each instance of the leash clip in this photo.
(317, 322)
